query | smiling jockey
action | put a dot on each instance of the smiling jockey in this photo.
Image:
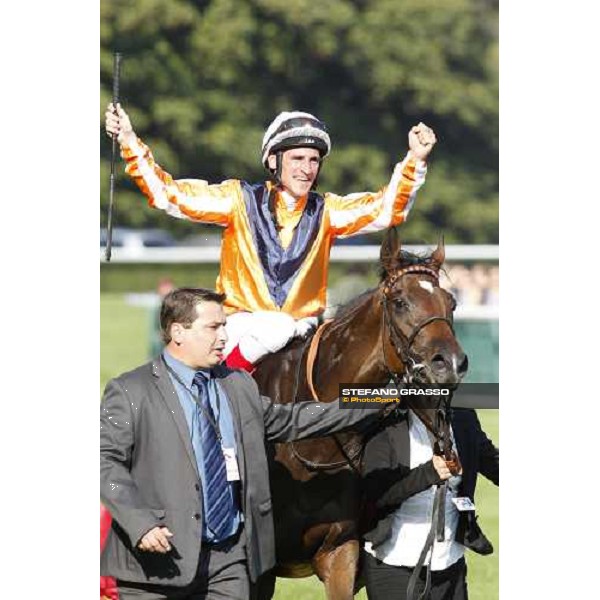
(277, 234)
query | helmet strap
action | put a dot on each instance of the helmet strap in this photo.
(271, 206)
(278, 167)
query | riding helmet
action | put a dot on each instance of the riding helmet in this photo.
(295, 130)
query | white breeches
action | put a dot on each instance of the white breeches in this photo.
(264, 332)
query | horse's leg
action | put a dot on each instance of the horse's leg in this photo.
(264, 588)
(342, 572)
(335, 565)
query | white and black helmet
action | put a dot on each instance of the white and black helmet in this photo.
(295, 130)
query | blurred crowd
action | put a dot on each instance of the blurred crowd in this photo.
(475, 285)
(471, 284)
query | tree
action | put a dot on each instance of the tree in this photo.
(202, 79)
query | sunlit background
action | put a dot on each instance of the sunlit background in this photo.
(201, 81)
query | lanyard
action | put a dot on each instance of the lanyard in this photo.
(196, 399)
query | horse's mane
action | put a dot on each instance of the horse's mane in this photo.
(348, 308)
(405, 259)
(399, 261)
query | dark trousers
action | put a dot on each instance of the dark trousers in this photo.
(222, 575)
(386, 582)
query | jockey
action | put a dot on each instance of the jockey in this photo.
(278, 233)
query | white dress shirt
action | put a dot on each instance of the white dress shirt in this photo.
(412, 520)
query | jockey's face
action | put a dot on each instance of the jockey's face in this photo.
(300, 167)
(201, 344)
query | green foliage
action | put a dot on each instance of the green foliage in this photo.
(202, 79)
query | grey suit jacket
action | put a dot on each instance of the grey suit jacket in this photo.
(149, 477)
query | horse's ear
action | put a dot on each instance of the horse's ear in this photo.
(439, 254)
(390, 249)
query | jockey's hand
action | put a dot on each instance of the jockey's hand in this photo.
(439, 464)
(421, 141)
(304, 327)
(156, 540)
(117, 122)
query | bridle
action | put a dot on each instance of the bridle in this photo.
(402, 344)
(411, 361)
(413, 366)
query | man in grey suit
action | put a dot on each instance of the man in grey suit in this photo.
(183, 466)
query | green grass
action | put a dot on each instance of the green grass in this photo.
(125, 339)
(124, 336)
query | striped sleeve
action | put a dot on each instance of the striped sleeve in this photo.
(366, 212)
(191, 199)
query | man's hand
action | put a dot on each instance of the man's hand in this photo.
(117, 122)
(156, 540)
(454, 464)
(439, 464)
(421, 141)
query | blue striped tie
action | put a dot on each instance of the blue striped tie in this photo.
(218, 512)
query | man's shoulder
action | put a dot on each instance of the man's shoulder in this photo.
(233, 376)
(251, 185)
(138, 374)
(239, 385)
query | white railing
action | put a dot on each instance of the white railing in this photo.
(476, 312)
(212, 254)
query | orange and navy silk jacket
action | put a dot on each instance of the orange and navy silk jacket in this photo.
(269, 266)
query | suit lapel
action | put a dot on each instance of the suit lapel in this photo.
(458, 434)
(230, 391)
(169, 396)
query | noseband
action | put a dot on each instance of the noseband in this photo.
(401, 343)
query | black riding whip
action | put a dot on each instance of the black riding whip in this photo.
(115, 100)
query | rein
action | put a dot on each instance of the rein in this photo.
(312, 344)
(312, 356)
(440, 429)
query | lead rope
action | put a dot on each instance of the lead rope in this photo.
(439, 506)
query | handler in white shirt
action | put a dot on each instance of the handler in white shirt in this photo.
(412, 521)
(400, 477)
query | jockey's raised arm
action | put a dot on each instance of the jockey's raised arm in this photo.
(277, 233)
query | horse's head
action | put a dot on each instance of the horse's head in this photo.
(417, 316)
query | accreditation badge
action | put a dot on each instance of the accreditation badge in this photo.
(463, 504)
(233, 473)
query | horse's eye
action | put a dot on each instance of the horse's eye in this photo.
(400, 303)
(452, 303)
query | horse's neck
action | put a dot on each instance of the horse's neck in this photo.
(351, 348)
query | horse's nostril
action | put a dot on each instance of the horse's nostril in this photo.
(438, 362)
(464, 365)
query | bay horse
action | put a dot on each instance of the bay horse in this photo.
(403, 331)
